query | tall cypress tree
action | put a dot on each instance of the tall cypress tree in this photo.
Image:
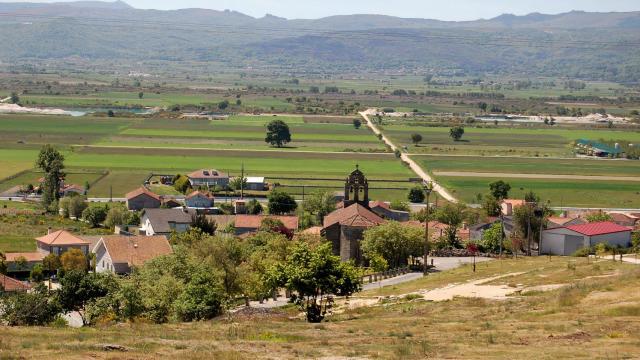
(51, 162)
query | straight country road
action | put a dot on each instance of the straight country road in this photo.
(404, 157)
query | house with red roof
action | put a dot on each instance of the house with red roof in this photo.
(8, 285)
(508, 205)
(143, 198)
(59, 242)
(566, 240)
(245, 224)
(119, 254)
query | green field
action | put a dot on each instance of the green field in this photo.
(514, 165)
(560, 193)
(501, 140)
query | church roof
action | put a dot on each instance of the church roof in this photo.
(354, 215)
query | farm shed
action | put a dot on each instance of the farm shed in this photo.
(567, 240)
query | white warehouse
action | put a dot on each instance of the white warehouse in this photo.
(567, 240)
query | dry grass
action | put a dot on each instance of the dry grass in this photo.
(594, 317)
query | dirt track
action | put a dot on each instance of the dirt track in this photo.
(535, 176)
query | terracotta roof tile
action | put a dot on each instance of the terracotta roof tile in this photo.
(61, 237)
(141, 191)
(354, 215)
(255, 221)
(136, 250)
(30, 257)
(8, 284)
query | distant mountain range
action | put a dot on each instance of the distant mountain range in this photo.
(595, 45)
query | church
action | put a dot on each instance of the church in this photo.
(345, 227)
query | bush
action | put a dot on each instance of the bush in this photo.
(399, 206)
(583, 252)
(29, 309)
(94, 215)
(416, 195)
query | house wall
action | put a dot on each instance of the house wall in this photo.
(350, 238)
(143, 202)
(59, 250)
(622, 238)
(103, 260)
(209, 182)
(146, 227)
(255, 186)
(199, 202)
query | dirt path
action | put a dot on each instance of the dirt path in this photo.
(536, 176)
(404, 157)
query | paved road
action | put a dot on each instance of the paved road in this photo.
(404, 157)
(536, 176)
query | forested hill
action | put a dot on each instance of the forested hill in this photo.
(578, 44)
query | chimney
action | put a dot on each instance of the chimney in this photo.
(49, 230)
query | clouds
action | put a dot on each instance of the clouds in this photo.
(435, 9)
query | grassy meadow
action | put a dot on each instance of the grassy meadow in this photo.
(592, 315)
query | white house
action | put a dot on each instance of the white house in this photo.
(208, 178)
(118, 254)
(165, 221)
(255, 183)
(567, 240)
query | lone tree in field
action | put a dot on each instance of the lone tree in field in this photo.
(416, 139)
(456, 133)
(14, 98)
(51, 162)
(357, 123)
(278, 133)
(500, 190)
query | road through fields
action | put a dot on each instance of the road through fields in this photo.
(404, 157)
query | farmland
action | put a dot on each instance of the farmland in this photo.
(115, 155)
(502, 140)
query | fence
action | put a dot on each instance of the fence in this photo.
(371, 278)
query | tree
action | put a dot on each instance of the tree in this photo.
(452, 215)
(275, 226)
(528, 221)
(79, 288)
(74, 259)
(357, 123)
(37, 273)
(73, 206)
(95, 215)
(500, 190)
(416, 195)
(491, 205)
(416, 139)
(531, 197)
(491, 238)
(51, 162)
(599, 217)
(3, 264)
(21, 263)
(110, 113)
(238, 182)
(200, 221)
(140, 95)
(34, 308)
(182, 184)
(14, 98)
(254, 207)
(281, 203)
(223, 105)
(314, 274)
(119, 215)
(51, 263)
(320, 204)
(399, 205)
(394, 242)
(456, 133)
(202, 297)
(278, 133)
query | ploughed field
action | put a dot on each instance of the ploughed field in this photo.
(115, 155)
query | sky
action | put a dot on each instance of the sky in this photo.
(431, 9)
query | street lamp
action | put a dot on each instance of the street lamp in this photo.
(428, 188)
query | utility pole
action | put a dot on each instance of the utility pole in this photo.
(242, 183)
(110, 193)
(428, 188)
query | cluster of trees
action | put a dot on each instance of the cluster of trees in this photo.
(205, 276)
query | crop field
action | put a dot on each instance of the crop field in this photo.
(568, 191)
(515, 165)
(561, 193)
(131, 148)
(502, 140)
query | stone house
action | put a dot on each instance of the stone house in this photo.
(142, 198)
